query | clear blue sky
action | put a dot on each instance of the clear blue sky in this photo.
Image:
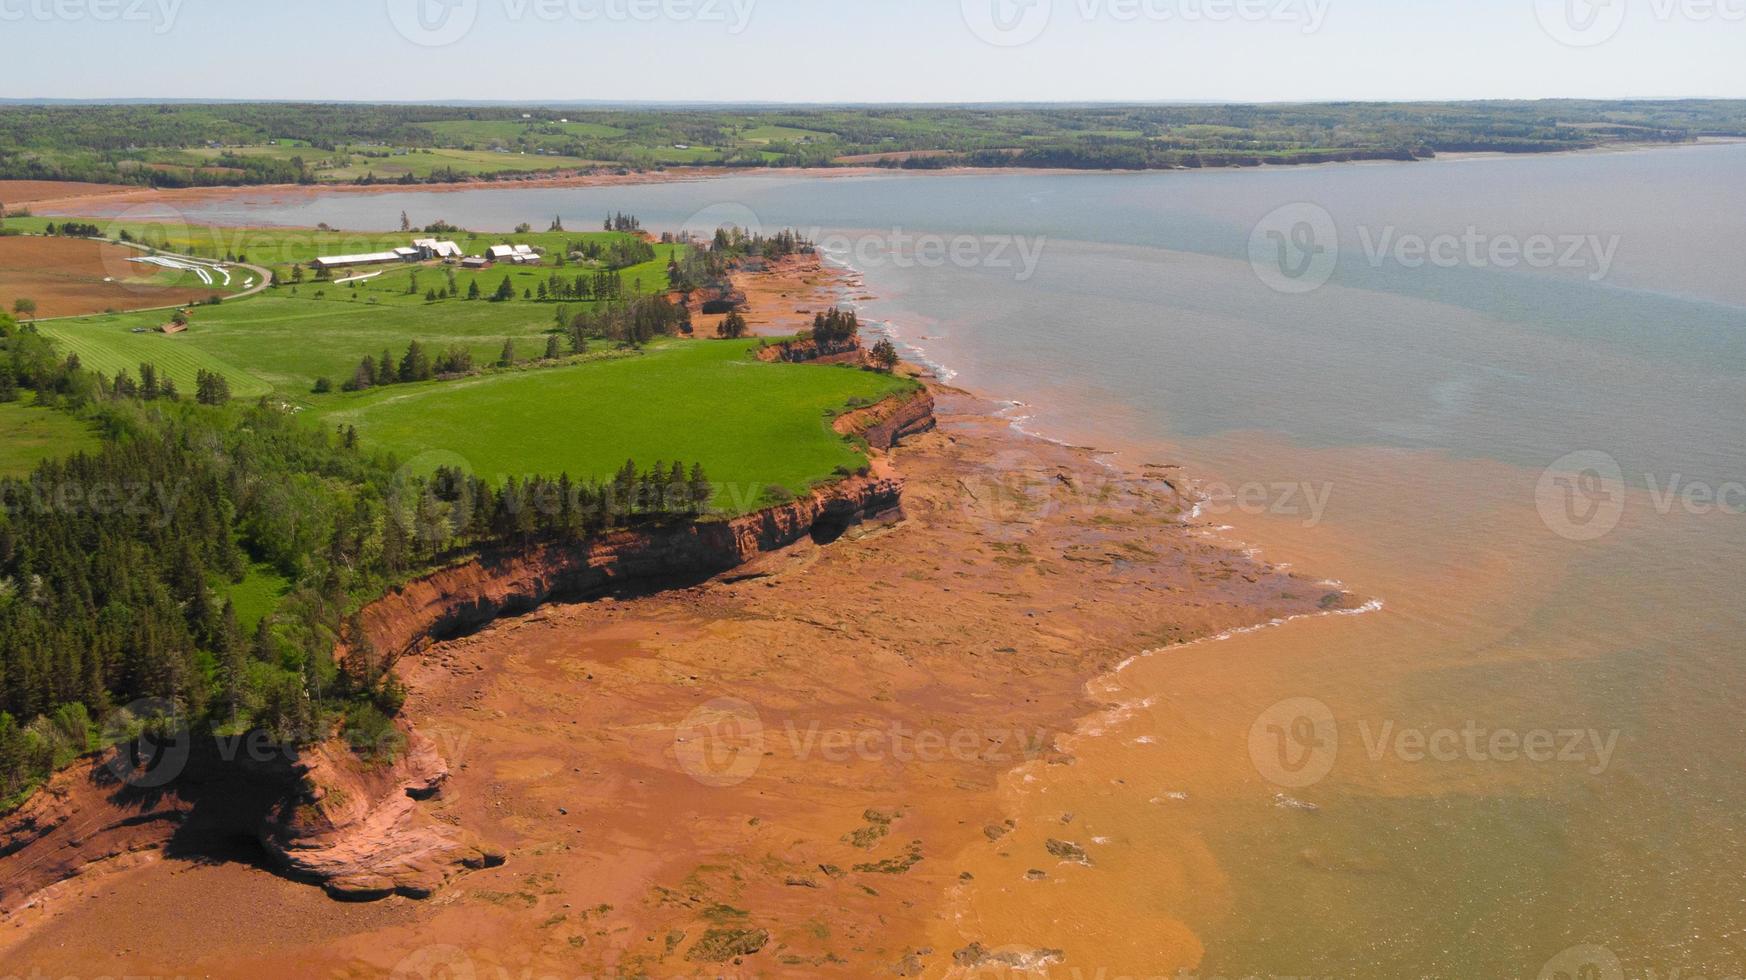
(872, 50)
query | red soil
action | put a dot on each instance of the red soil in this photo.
(66, 277)
(18, 192)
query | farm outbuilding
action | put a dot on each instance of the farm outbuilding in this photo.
(518, 254)
(331, 262)
(431, 248)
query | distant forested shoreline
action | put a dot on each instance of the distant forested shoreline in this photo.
(193, 145)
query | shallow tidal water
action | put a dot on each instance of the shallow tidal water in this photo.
(1527, 760)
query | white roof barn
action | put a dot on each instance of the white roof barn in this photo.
(368, 258)
(500, 253)
(438, 249)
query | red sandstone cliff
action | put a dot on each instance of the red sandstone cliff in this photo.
(812, 352)
(458, 600)
(329, 817)
(891, 421)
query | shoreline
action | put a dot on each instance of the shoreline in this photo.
(78, 205)
(1066, 582)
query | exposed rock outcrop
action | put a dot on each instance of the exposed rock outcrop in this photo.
(812, 352)
(891, 421)
(358, 831)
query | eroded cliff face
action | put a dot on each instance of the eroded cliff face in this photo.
(891, 421)
(119, 807)
(355, 827)
(462, 599)
(812, 352)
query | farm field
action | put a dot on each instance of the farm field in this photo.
(754, 426)
(104, 345)
(76, 276)
(29, 435)
(424, 163)
(282, 341)
(510, 130)
(279, 249)
(751, 424)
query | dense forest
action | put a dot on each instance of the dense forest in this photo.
(116, 565)
(192, 144)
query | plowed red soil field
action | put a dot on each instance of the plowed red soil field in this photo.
(66, 278)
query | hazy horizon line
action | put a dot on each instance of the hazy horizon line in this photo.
(786, 104)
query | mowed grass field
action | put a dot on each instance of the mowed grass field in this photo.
(29, 435)
(105, 344)
(751, 424)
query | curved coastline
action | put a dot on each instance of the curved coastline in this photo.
(1049, 453)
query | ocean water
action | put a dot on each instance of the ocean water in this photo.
(1505, 398)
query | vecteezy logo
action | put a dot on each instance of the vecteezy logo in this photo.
(1581, 497)
(151, 743)
(433, 23)
(1008, 23)
(1294, 743)
(706, 221)
(721, 743)
(1295, 249)
(1587, 962)
(1581, 23)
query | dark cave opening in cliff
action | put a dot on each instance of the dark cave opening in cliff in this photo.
(827, 530)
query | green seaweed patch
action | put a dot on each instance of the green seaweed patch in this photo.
(895, 865)
(720, 945)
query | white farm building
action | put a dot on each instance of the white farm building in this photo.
(331, 262)
(433, 249)
(421, 249)
(517, 254)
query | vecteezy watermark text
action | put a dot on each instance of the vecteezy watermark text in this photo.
(1476, 249)
(1588, 23)
(1296, 743)
(138, 500)
(1582, 495)
(724, 742)
(159, 14)
(1011, 23)
(1296, 249)
(437, 23)
(900, 249)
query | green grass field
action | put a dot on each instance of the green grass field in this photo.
(508, 131)
(752, 425)
(749, 423)
(107, 344)
(29, 435)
